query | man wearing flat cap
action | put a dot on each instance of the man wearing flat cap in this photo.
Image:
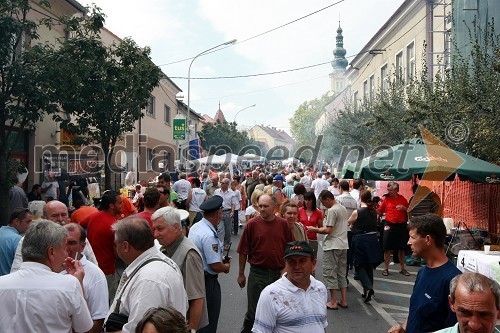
(297, 300)
(204, 235)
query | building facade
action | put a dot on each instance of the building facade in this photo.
(269, 137)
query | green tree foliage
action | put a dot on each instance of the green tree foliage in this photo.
(458, 105)
(303, 122)
(224, 134)
(104, 87)
(24, 92)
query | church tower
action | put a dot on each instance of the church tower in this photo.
(339, 64)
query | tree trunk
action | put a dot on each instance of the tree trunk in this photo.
(107, 169)
(4, 190)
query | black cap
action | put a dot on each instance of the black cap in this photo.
(298, 249)
(212, 204)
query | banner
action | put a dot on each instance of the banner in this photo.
(179, 132)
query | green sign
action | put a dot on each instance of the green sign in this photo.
(179, 132)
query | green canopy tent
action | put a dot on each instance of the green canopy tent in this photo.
(426, 161)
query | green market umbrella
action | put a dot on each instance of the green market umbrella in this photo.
(428, 161)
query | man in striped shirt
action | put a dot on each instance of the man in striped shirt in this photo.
(296, 302)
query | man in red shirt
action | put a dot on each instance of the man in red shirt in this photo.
(151, 198)
(101, 237)
(82, 212)
(395, 234)
(263, 245)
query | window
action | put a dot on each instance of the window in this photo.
(150, 111)
(149, 161)
(399, 65)
(365, 91)
(383, 78)
(372, 87)
(410, 61)
(166, 114)
(355, 99)
(23, 42)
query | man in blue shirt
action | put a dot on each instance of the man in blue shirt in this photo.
(204, 235)
(429, 308)
(19, 221)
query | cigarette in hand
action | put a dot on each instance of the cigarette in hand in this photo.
(76, 255)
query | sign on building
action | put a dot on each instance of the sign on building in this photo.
(179, 132)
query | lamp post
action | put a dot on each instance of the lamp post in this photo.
(251, 106)
(189, 93)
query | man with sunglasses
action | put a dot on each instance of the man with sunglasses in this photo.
(10, 235)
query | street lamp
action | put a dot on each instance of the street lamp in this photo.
(189, 93)
(251, 106)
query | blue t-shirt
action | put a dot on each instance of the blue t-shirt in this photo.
(429, 307)
(9, 238)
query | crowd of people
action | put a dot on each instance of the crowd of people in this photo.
(150, 263)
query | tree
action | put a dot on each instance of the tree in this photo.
(24, 89)
(303, 122)
(105, 88)
(223, 134)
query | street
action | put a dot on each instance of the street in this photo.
(389, 306)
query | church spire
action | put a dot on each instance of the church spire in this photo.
(339, 62)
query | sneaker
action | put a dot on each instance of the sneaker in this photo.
(414, 263)
(240, 226)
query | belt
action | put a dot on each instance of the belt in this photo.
(265, 269)
(210, 276)
(226, 210)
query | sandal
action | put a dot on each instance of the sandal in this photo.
(404, 272)
(386, 272)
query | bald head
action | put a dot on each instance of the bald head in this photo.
(56, 211)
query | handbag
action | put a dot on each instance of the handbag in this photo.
(116, 320)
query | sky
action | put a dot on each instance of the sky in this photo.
(178, 30)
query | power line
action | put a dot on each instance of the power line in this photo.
(260, 34)
(260, 74)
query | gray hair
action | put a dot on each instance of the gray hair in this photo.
(475, 282)
(169, 214)
(40, 237)
(394, 185)
(134, 230)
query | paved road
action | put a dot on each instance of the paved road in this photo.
(389, 306)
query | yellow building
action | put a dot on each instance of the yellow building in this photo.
(397, 48)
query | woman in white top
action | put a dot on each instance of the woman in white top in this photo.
(196, 197)
(252, 211)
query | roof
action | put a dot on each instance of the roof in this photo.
(219, 116)
(208, 119)
(380, 32)
(77, 5)
(277, 134)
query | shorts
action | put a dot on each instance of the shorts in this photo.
(395, 236)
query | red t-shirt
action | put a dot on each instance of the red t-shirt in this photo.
(80, 215)
(147, 217)
(128, 207)
(102, 238)
(391, 213)
(264, 242)
(310, 221)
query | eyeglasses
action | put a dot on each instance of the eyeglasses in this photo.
(21, 213)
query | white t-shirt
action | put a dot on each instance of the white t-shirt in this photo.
(182, 188)
(95, 288)
(52, 191)
(197, 198)
(318, 185)
(250, 211)
(236, 199)
(50, 302)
